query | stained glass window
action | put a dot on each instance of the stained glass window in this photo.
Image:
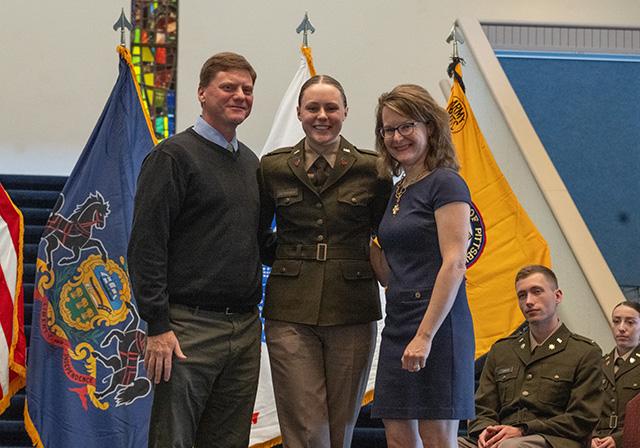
(154, 53)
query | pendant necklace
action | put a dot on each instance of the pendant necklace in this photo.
(403, 184)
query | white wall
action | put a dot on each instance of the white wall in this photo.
(59, 63)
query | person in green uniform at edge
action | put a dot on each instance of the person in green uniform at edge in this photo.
(322, 300)
(621, 380)
(541, 387)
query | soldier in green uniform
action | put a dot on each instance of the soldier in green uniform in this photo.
(539, 388)
(322, 299)
(621, 380)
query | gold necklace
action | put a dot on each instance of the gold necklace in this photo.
(403, 184)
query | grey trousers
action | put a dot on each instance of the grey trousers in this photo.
(319, 378)
(209, 399)
(534, 441)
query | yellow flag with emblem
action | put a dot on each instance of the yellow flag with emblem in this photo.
(503, 238)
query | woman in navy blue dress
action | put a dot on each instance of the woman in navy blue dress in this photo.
(424, 382)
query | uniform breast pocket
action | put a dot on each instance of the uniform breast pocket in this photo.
(286, 197)
(629, 391)
(555, 387)
(354, 204)
(354, 197)
(506, 382)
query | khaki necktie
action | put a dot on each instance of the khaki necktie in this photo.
(320, 171)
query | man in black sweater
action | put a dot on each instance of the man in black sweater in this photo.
(195, 269)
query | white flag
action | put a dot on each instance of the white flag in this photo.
(286, 129)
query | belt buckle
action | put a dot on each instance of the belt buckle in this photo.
(227, 311)
(321, 252)
(613, 421)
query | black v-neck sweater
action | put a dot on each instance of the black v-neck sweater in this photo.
(194, 239)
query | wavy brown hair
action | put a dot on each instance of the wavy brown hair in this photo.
(415, 103)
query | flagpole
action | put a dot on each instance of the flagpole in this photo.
(121, 24)
(455, 38)
(305, 27)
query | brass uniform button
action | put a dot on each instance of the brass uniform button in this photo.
(320, 238)
(418, 295)
(529, 376)
(318, 204)
(525, 393)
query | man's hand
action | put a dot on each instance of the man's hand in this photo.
(607, 442)
(159, 355)
(493, 435)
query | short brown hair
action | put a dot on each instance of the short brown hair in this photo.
(415, 103)
(223, 62)
(322, 79)
(538, 269)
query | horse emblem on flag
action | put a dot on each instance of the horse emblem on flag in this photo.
(75, 233)
(87, 310)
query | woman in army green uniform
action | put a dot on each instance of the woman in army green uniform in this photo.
(322, 299)
(621, 380)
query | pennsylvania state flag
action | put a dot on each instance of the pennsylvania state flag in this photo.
(503, 238)
(86, 385)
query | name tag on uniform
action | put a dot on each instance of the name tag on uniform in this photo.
(286, 192)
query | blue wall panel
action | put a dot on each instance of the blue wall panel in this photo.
(587, 114)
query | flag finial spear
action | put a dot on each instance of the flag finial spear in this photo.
(304, 27)
(456, 38)
(121, 24)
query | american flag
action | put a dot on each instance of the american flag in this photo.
(12, 340)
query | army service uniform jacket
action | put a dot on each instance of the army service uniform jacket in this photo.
(619, 388)
(554, 392)
(321, 274)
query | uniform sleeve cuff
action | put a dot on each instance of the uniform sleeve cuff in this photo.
(531, 428)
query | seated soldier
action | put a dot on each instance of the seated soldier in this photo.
(621, 380)
(539, 388)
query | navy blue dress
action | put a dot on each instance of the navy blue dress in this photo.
(444, 388)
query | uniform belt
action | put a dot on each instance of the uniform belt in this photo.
(610, 422)
(321, 252)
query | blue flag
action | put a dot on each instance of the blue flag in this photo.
(86, 384)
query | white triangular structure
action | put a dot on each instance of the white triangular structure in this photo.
(590, 290)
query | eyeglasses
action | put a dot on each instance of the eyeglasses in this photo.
(404, 129)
